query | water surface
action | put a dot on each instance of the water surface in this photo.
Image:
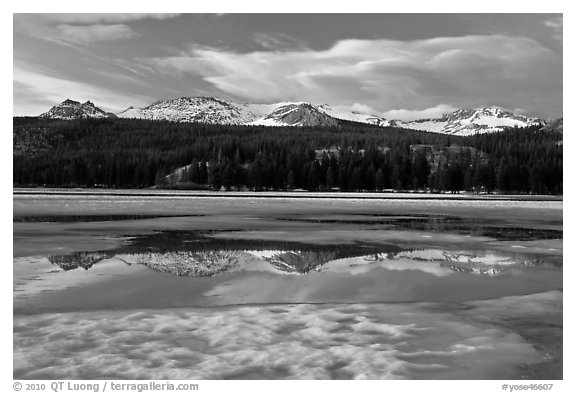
(149, 287)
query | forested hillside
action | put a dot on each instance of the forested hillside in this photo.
(128, 153)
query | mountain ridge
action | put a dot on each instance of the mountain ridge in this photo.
(212, 110)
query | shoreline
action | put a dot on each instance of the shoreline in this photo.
(278, 194)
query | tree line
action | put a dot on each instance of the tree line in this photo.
(129, 153)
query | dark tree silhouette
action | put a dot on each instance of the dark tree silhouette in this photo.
(128, 153)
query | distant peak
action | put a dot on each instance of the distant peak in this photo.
(70, 109)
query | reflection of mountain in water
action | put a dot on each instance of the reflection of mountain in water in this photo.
(75, 260)
(204, 263)
(208, 263)
(482, 263)
(299, 262)
(196, 254)
(182, 263)
(475, 262)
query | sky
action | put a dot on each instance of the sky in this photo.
(399, 66)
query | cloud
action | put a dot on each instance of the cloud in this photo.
(37, 90)
(361, 108)
(557, 26)
(469, 71)
(80, 28)
(90, 18)
(277, 41)
(95, 33)
(519, 110)
(428, 113)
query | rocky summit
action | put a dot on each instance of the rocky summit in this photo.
(70, 110)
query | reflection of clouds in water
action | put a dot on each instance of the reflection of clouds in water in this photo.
(289, 341)
(362, 265)
(462, 256)
(33, 275)
(438, 262)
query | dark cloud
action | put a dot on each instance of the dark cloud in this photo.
(405, 62)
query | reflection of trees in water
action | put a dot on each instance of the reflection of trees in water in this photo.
(462, 226)
(203, 241)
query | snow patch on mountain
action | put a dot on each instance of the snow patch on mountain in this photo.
(430, 125)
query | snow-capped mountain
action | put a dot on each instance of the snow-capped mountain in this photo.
(199, 109)
(70, 109)
(297, 114)
(472, 121)
(215, 111)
